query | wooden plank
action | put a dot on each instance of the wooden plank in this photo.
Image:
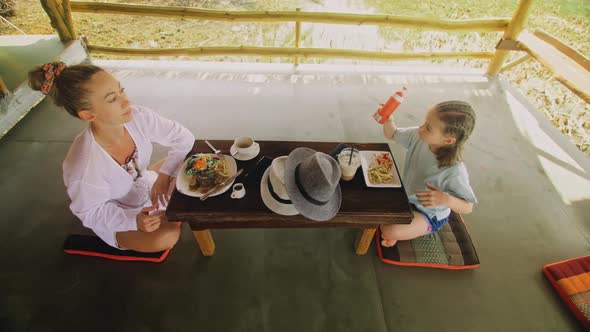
(361, 207)
(567, 71)
(288, 52)
(513, 30)
(565, 49)
(492, 24)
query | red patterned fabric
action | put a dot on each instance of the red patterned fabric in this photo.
(571, 280)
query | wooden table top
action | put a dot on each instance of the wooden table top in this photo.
(362, 207)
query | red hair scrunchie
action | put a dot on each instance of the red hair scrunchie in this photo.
(51, 72)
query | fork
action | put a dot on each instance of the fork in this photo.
(217, 152)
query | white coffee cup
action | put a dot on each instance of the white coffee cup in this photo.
(245, 145)
(238, 191)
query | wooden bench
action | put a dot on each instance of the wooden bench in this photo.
(567, 65)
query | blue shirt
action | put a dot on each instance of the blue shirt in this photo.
(421, 166)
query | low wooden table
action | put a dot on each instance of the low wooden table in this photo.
(362, 207)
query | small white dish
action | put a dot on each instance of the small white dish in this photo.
(367, 159)
(238, 191)
(243, 157)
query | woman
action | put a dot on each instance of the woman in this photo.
(105, 172)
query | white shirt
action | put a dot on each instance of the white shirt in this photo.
(104, 195)
(421, 166)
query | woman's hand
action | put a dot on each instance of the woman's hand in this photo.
(149, 223)
(432, 197)
(159, 193)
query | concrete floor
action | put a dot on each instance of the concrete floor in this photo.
(532, 184)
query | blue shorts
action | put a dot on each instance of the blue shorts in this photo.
(433, 224)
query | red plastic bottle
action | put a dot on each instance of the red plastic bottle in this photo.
(390, 106)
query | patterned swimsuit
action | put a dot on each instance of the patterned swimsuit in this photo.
(132, 166)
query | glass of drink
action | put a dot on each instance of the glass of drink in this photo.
(349, 164)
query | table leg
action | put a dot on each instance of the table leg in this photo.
(205, 241)
(363, 240)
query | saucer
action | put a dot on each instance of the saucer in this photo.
(244, 157)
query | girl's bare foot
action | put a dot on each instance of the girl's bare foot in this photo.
(388, 243)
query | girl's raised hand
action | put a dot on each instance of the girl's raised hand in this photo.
(432, 197)
(376, 115)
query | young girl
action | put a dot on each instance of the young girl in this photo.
(435, 178)
(105, 172)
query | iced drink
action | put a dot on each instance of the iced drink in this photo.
(349, 169)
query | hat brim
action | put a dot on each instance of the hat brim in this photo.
(274, 205)
(306, 208)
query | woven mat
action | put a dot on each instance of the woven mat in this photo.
(571, 280)
(89, 245)
(448, 248)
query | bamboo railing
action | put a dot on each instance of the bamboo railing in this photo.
(60, 11)
(66, 31)
(498, 24)
(511, 33)
(569, 67)
(288, 52)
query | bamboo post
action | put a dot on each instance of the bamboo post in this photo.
(55, 13)
(516, 62)
(68, 18)
(512, 31)
(297, 35)
(3, 89)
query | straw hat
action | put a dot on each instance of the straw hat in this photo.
(312, 182)
(273, 191)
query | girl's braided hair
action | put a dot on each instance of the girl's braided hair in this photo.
(459, 120)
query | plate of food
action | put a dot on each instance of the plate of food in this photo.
(201, 172)
(379, 169)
